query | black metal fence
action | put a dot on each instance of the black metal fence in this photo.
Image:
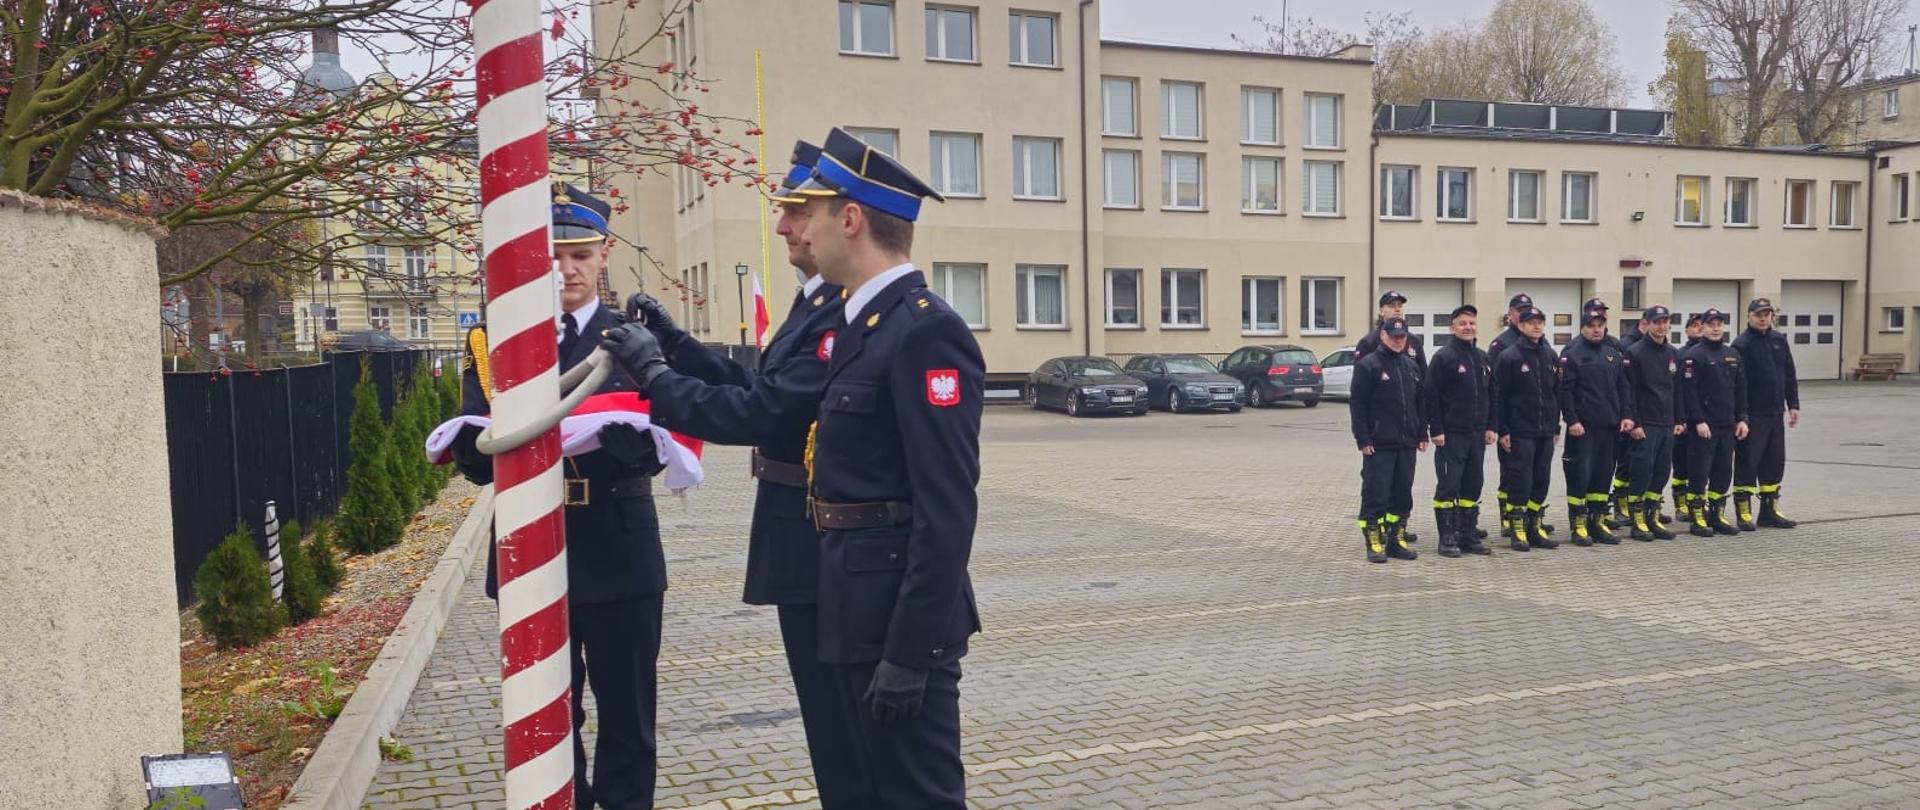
(240, 438)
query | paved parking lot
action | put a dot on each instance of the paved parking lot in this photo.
(1179, 614)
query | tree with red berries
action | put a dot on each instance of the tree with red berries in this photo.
(210, 117)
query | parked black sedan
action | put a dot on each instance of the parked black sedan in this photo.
(1186, 382)
(1084, 385)
(1274, 373)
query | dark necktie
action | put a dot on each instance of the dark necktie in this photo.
(570, 338)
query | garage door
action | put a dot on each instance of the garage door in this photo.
(1430, 301)
(1810, 318)
(1561, 300)
(1697, 295)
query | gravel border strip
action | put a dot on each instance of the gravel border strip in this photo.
(344, 765)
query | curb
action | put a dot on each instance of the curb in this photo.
(343, 767)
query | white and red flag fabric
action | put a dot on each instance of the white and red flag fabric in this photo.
(761, 320)
(580, 433)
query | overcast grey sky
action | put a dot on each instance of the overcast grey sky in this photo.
(1639, 26)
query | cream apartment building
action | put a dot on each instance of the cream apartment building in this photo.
(1115, 197)
(1894, 275)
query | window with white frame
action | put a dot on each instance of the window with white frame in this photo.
(1739, 202)
(376, 261)
(866, 27)
(1454, 192)
(953, 163)
(1845, 195)
(950, 34)
(1890, 104)
(1180, 110)
(1799, 204)
(419, 325)
(416, 266)
(1893, 319)
(1323, 121)
(1261, 305)
(1030, 39)
(1182, 298)
(1523, 196)
(1320, 190)
(1036, 168)
(1690, 201)
(1123, 298)
(1118, 106)
(1260, 185)
(1260, 115)
(964, 287)
(380, 317)
(1319, 306)
(1182, 180)
(885, 140)
(1576, 197)
(1899, 201)
(1397, 192)
(1120, 169)
(1040, 295)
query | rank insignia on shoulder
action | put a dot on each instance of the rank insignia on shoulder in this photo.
(873, 319)
(819, 299)
(922, 303)
(844, 294)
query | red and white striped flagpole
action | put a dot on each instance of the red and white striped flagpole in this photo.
(535, 674)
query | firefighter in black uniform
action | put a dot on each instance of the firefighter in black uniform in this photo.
(616, 571)
(1620, 505)
(1459, 421)
(1682, 465)
(1389, 426)
(1653, 370)
(1713, 387)
(711, 397)
(1597, 402)
(1773, 402)
(1508, 338)
(1526, 415)
(1392, 305)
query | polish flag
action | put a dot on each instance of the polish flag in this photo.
(760, 317)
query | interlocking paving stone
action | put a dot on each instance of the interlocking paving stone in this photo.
(1178, 615)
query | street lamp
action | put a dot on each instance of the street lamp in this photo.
(740, 288)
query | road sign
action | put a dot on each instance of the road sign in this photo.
(469, 320)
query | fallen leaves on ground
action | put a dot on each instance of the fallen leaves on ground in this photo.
(238, 700)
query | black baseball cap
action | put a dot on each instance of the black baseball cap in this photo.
(1464, 309)
(1656, 313)
(1520, 301)
(1592, 312)
(1528, 313)
(1395, 327)
(1392, 296)
(1759, 304)
(1693, 318)
(1712, 315)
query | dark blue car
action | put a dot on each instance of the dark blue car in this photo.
(1186, 382)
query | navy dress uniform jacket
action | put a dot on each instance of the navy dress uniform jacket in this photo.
(716, 399)
(613, 542)
(900, 423)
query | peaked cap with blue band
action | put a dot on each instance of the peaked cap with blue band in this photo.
(578, 216)
(805, 155)
(849, 168)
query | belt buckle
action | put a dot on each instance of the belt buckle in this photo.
(577, 492)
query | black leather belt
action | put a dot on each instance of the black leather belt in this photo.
(877, 515)
(779, 472)
(584, 491)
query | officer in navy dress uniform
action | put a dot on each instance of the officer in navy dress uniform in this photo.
(616, 571)
(706, 395)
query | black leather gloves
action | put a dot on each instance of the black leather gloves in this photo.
(474, 465)
(896, 692)
(638, 352)
(647, 310)
(631, 448)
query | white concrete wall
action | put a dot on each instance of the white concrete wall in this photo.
(89, 651)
